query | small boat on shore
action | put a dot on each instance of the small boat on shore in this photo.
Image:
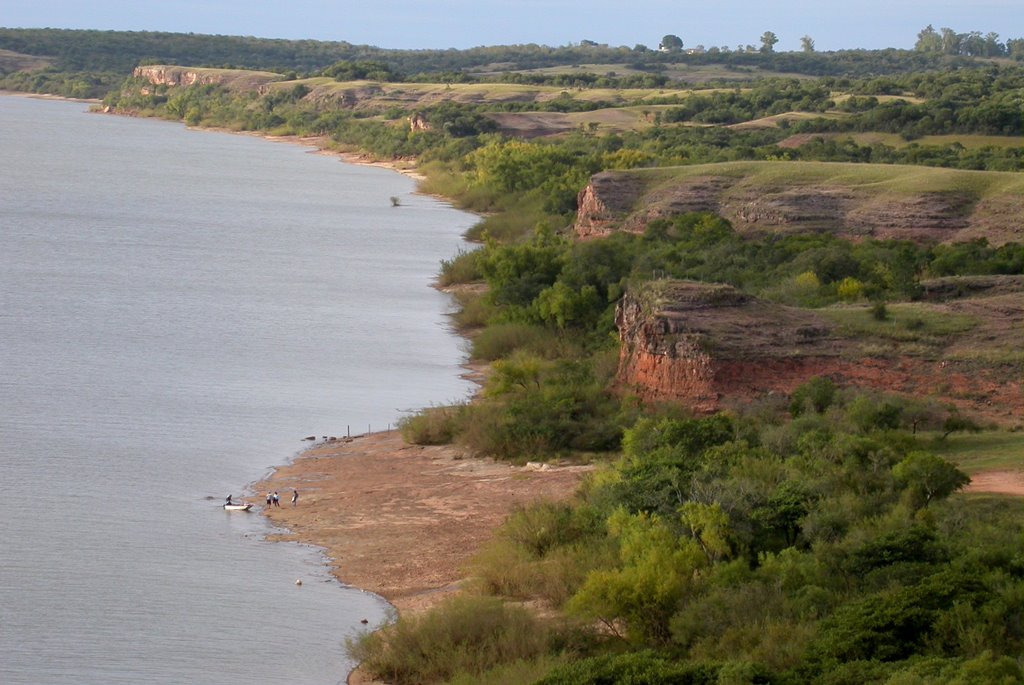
(237, 506)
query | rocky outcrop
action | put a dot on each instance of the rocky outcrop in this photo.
(709, 346)
(173, 76)
(822, 200)
(698, 343)
(605, 202)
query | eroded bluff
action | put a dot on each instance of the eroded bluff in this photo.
(707, 346)
(237, 79)
(944, 207)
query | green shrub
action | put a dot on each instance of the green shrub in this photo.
(817, 394)
(561, 573)
(501, 339)
(638, 668)
(507, 226)
(432, 426)
(519, 672)
(484, 431)
(802, 290)
(850, 289)
(893, 624)
(464, 267)
(544, 526)
(534, 408)
(501, 568)
(465, 635)
(543, 551)
(986, 669)
(473, 311)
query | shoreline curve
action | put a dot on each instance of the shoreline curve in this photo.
(398, 520)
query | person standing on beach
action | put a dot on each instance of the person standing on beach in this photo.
(270, 498)
(277, 499)
(295, 497)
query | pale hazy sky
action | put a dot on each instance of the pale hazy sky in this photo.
(468, 23)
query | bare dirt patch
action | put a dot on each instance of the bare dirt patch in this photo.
(997, 482)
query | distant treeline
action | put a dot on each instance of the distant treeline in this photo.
(121, 51)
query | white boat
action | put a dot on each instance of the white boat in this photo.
(237, 506)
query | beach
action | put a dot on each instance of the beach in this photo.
(402, 520)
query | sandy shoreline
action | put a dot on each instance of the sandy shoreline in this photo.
(402, 520)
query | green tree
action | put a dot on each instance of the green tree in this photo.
(782, 512)
(951, 41)
(516, 274)
(657, 572)
(671, 43)
(1015, 48)
(807, 44)
(569, 308)
(708, 525)
(768, 41)
(818, 394)
(869, 413)
(926, 477)
(928, 40)
(850, 289)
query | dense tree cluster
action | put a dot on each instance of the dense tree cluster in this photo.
(974, 44)
(756, 549)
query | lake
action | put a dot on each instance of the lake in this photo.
(177, 310)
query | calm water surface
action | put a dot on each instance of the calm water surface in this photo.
(177, 309)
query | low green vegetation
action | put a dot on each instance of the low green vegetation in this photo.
(911, 322)
(432, 426)
(988, 451)
(825, 544)
(467, 635)
(573, 286)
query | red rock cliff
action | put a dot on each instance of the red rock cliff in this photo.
(698, 343)
(708, 345)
